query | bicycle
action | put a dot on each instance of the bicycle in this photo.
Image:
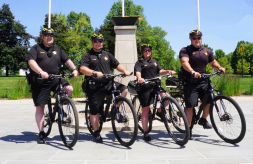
(171, 112)
(67, 117)
(123, 117)
(226, 113)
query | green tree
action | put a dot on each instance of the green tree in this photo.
(223, 61)
(13, 41)
(162, 50)
(248, 55)
(219, 54)
(236, 57)
(246, 67)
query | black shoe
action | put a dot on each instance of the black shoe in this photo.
(146, 137)
(205, 123)
(191, 137)
(42, 137)
(159, 114)
(98, 138)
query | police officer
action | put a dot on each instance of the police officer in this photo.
(94, 64)
(45, 59)
(147, 68)
(194, 59)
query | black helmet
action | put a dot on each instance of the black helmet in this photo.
(143, 46)
(97, 36)
(195, 32)
(47, 31)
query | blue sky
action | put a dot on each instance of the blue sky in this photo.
(223, 22)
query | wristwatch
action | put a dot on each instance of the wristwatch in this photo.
(94, 73)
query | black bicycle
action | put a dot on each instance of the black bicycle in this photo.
(67, 117)
(226, 115)
(122, 115)
(171, 112)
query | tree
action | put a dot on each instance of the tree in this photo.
(13, 41)
(219, 54)
(248, 55)
(236, 56)
(246, 67)
(162, 50)
(223, 61)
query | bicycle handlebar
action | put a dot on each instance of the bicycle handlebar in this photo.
(113, 76)
(158, 78)
(205, 76)
(53, 76)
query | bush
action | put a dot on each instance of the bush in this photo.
(77, 85)
(228, 85)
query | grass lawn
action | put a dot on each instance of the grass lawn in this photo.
(7, 83)
(245, 83)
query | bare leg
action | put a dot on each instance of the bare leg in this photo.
(69, 89)
(162, 94)
(144, 118)
(206, 111)
(94, 119)
(39, 117)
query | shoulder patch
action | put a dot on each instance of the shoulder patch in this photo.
(155, 64)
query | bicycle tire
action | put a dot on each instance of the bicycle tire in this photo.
(88, 123)
(226, 129)
(68, 120)
(47, 118)
(138, 108)
(126, 127)
(179, 135)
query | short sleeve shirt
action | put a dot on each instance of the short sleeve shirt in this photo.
(198, 57)
(52, 64)
(148, 68)
(99, 61)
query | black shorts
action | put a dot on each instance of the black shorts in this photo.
(146, 96)
(97, 96)
(41, 92)
(194, 91)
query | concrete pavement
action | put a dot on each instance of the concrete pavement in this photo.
(19, 133)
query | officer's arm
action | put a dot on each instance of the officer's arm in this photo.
(36, 68)
(215, 65)
(72, 66)
(120, 68)
(164, 72)
(186, 65)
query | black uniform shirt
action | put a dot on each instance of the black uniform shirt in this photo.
(106, 63)
(52, 64)
(148, 68)
(198, 57)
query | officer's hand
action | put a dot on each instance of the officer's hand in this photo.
(75, 73)
(172, 72)
(141, 80)
(197, 75)
(99, 74)
(44, 75)
(127, 73)
(222, 69)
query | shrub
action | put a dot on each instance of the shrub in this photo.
(228, 85)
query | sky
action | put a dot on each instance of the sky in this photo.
(223, 22)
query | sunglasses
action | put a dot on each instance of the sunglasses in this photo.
(147, 50)
(52, 35)
(195, 38)
(98, 41)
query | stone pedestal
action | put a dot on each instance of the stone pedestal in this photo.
(125, 44)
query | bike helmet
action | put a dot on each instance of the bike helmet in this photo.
(143, 46)
(194, 33)
(47, 31)
(97, 36)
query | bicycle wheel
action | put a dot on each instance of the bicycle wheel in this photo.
(68, 122)
(231, 127)
(88, 123)
(47, 119)
(138, 108)
(172, 111)
(124, 123)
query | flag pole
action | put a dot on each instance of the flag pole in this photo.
(198, 16)
(49, 15)
(123, 8)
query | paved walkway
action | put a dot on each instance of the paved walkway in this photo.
(18, 136)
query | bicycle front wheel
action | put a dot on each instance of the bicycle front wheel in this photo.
(88, 123)
(124, 122)
(68, 122)
(137, 106)
(172, 112)
(231, 127)
(47, 117)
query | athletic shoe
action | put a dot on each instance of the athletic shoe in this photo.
(205, 123)
(146, 137)
(42, 137)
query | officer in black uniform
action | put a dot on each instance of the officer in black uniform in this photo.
(194, 59)
(94, 64)
(45, 59)
(147, 68)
